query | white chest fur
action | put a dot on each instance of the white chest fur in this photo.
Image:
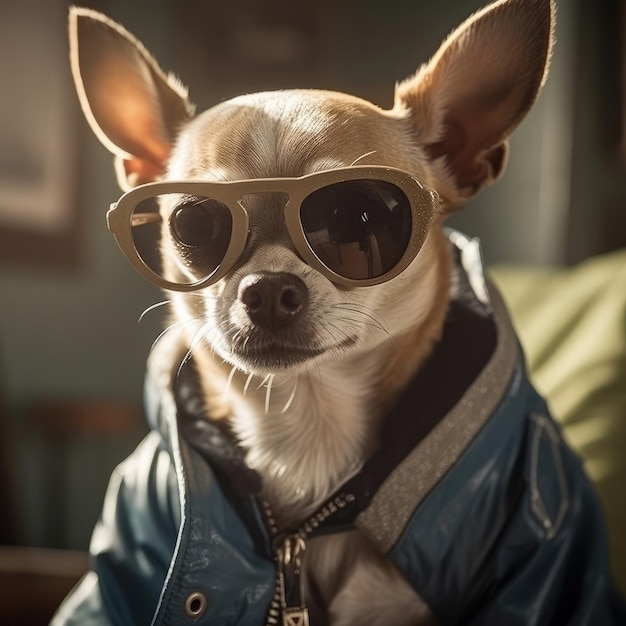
(305, 434)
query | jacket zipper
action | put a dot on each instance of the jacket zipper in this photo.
(288, 606)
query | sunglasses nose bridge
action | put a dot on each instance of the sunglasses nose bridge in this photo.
(266, 214)
(262, 200)
(264, 206)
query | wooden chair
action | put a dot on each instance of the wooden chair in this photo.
(34, 581)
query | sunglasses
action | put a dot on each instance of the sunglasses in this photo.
(358, 226)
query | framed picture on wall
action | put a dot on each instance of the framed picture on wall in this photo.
(38, 143)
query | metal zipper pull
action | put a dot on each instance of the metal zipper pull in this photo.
(288, 604)
(290, 558)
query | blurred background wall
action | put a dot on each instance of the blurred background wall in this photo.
(71, 350)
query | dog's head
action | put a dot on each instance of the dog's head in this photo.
(332, 242)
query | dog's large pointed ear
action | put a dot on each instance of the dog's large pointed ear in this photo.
(481, 83)
(129, 102)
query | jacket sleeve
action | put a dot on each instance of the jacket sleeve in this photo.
(514, 534)
(552, 564)
(132, 543)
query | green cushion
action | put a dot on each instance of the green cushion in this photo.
(572, 325)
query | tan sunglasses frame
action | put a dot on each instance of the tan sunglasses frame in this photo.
(425, 204)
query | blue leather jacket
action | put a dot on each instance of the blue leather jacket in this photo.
(472, 494)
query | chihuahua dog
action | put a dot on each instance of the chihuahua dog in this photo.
(299, 237)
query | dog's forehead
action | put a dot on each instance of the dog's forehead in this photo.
(285, 133)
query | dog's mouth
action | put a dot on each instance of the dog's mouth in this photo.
(275, 355)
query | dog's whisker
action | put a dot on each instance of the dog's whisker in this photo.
(182, 364)
(291, 397)
(375, 320)
(199, 335)
(281, 383)
(352, 320)
(168, 329)
(360, 309)
(268, 393)
(363, 156)
(193, 344)
(333, 339)
(245, 387)
(152, 308)
(202, 296)
(229, 382)
(162, 334)
(339, 330)
(319, 372)
(245, 341)
(263, 381)
(373, 324)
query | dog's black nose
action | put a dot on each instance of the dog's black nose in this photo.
(273, 300)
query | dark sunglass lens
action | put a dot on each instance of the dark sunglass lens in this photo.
(358, 229)
(146, 232)
(196, 237)
(201, 229)
(197, 223)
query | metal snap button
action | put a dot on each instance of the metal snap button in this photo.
(195, 605)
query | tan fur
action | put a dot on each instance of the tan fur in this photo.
(309, 427)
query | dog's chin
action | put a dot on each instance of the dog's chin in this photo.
(274, 358)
